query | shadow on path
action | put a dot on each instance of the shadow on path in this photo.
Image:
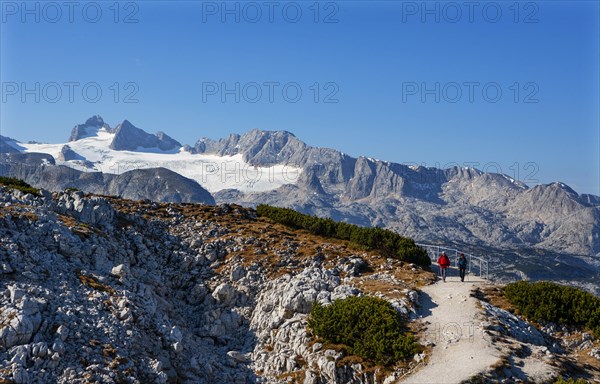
(426, 304)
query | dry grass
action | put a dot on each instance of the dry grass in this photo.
(351, 359)
(390, 290)
(494, 295)
(93, 283)
(404, 279)
(503, 362)
(300, 361)
(295, 377)
(82, 230)
(576, 363)
(8, 319)
(18, 211)
(109, 351)
(118, 360)
(272, 237)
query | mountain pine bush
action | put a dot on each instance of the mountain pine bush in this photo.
(370, 327)
(570, 381)
(376, 238)
(546, 301)
(18, 184)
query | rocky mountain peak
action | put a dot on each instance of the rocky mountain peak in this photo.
(270, 147)
(95, 121)
(89, 128)
(257, 146)
(130, 138)
(562, 186)
(5, 146)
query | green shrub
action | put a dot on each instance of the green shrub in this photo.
(391, 243)
(18, 184)
(570, 381)
(561, 304)
(368, 326)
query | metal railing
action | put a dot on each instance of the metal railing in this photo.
(476, 264)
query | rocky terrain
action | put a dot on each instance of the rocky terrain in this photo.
(109, 290)
(541, 232)
(102, 289)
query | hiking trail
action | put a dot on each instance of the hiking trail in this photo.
(453, 321)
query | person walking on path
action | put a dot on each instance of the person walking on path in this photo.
(444, 263)
(462, 266)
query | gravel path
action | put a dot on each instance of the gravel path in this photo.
(453, 321)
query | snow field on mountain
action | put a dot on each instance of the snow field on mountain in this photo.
(213, 172)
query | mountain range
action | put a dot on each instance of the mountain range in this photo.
(544, 231)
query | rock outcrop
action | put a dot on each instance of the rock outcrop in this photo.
(157, 184)
(5, 145)
(101, 289)
(90, 127)
(130, 138)
(67, 154)
(109, 290)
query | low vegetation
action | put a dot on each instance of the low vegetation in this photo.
(570, 381)
(390, 243)
(18, 184)
(370, 328)
(549, 302)
(94, 283)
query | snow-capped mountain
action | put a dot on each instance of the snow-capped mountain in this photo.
(488, 212)
(95, 147)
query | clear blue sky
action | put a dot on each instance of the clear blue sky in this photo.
(377, 59)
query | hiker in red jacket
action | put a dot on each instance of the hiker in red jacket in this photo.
(444, 263)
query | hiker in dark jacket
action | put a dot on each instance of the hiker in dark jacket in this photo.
(462, 266)
(444, 263)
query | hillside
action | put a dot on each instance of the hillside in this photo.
(102, 289)
(546, 231)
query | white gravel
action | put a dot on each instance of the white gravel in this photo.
(454, 323)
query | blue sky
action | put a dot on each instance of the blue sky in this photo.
(503, 86)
